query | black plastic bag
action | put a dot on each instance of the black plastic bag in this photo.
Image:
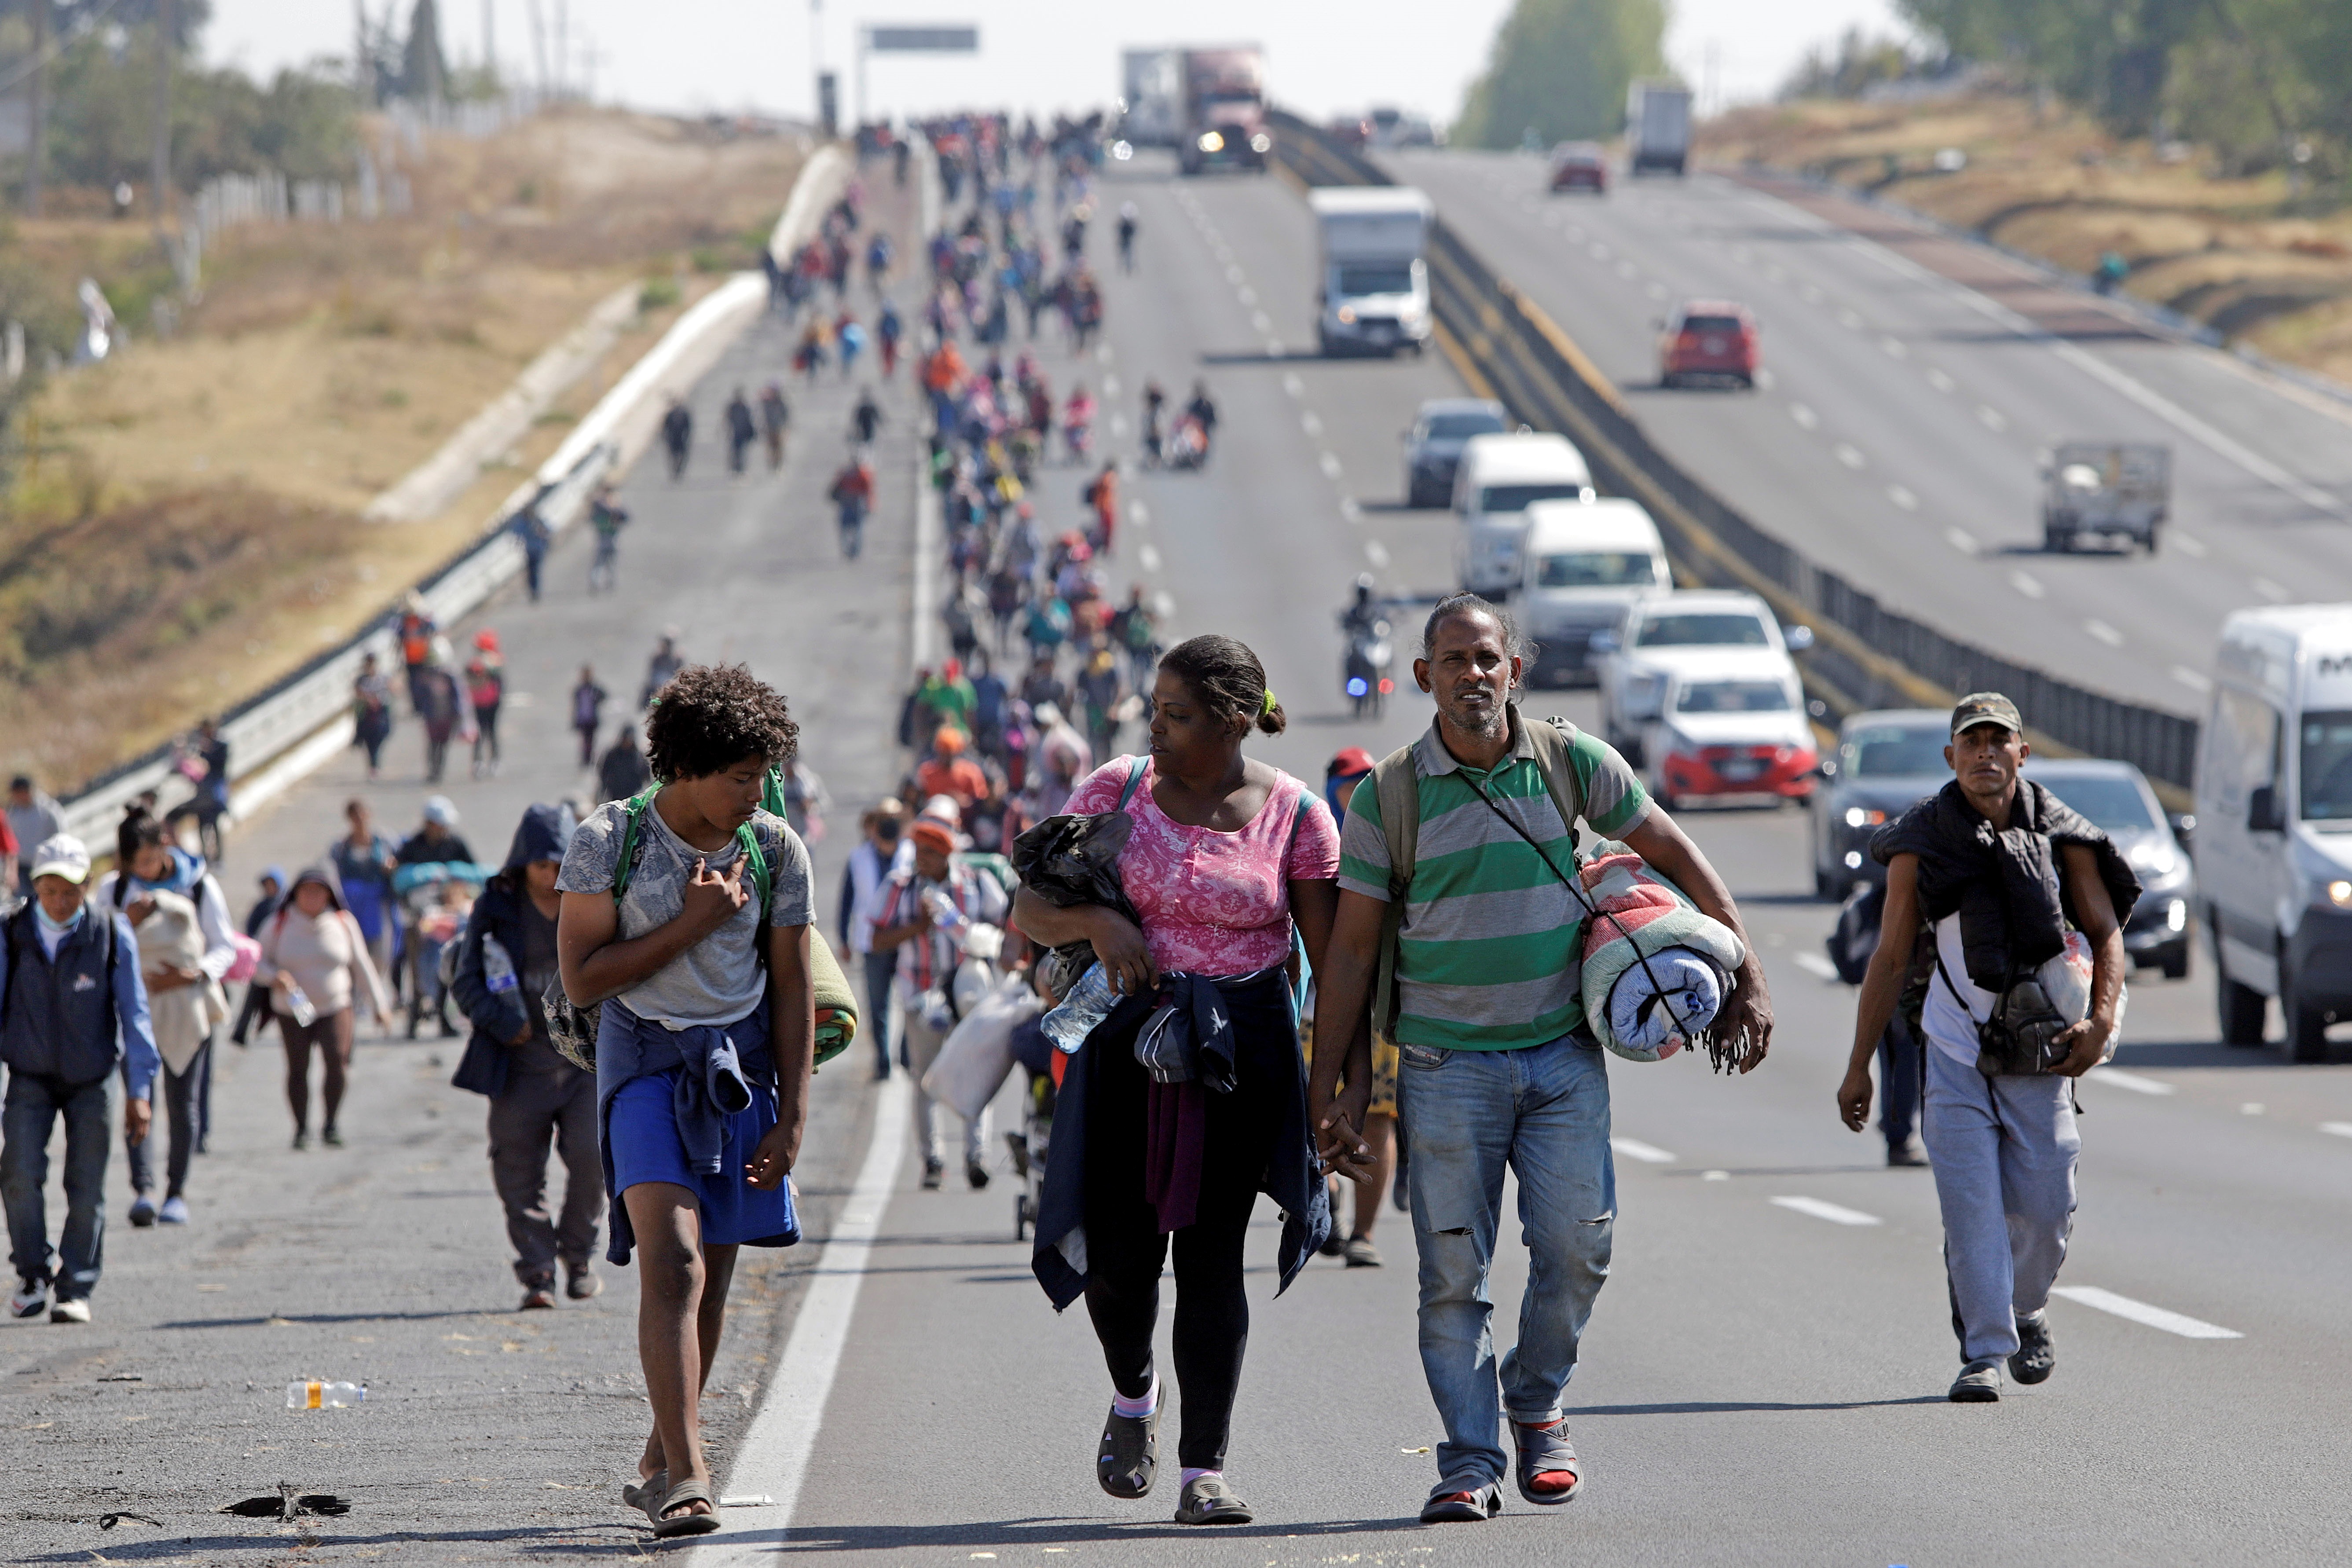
(1070, 861)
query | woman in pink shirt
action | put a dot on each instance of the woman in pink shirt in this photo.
(1227, 860)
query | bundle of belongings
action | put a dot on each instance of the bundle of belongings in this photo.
(1069, 861)
(1656, 970)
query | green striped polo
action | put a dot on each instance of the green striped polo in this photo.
(1489, 956)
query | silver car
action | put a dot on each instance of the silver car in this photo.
(1432, 447)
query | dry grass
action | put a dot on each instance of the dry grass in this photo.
(321, 364)
(2231, 253)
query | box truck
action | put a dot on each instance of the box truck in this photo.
(1225, 122)
(1375, 289)
(1657, 126)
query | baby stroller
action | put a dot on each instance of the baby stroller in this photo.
(1042, 1064)
(438, 895)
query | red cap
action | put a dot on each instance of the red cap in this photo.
(1353, 763)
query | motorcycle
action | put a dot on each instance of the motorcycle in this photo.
(1365, 672)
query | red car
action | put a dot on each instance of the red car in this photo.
(1580, 166)
(1784, 770)
(1708, 340)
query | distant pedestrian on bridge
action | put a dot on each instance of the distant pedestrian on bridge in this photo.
(587, 714)
(607, 517)
(775, 419)
(678, 436)
(742, 431)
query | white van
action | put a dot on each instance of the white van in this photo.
(1586, 564)
(2274, 840)
(1497, 477)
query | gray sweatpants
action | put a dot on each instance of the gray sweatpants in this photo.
(2004, 1152)
(539, 1108)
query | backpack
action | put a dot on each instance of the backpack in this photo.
(1396, 784)
(572, 1030)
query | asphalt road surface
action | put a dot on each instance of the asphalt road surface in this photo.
(1763, 1377)
(1913, 383)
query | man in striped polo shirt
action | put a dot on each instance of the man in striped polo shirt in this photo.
(1497, 1066)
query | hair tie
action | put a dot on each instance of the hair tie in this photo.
(1266, 707)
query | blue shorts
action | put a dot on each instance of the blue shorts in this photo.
(641, 1133)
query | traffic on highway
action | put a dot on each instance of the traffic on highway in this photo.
(1213, 937)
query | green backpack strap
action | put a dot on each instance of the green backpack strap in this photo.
(632, 842)
(1134, 781)
(1555, 740)
(1396, 785)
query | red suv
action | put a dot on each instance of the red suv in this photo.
(1579, 166)
(1708, 340)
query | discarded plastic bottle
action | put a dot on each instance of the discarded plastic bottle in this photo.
(1090, 1001)
(300, 1007)
(313, 1395)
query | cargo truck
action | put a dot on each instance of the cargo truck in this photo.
(1657, 126)
(1152, 97)
(1224, 123)
(1375, 291)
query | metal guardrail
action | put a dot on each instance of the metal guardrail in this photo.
(1865, 654)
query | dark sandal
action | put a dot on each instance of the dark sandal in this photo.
(1129, 1458)
(1207, 1500)
(1544, 1450)
(1463, 1508)
(667, 1523)
(646, 1495)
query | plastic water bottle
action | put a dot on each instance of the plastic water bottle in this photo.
(300, 1007)
(497, 969)
(1090, 1001)
(313, 1395)
(946, 918)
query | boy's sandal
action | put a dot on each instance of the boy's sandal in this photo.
(1545, 1450)
(669, 1522)
(646, 1495)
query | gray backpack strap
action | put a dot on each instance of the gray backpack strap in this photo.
(1554, 740)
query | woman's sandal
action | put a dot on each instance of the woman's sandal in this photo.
(667, 1522)
(646, 1495)
(1129, 1459)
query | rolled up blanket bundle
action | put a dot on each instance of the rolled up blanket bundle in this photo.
(1656, 969)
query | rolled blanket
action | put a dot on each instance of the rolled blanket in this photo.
(1633, 1007)
(837, 1003)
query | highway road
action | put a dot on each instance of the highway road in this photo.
(1764, 1375)
(1896, 437)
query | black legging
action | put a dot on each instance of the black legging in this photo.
(1126, 1249)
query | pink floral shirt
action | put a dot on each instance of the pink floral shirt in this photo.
(1211, 902)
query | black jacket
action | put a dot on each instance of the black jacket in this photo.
(498, 1016)
(2005, 883)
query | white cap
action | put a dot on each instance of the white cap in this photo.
(62, 855)
(440, 808)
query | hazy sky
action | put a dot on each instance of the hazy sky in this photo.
(1322, 56)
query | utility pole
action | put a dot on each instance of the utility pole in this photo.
(539, 46)
(490, 39)
(36, 107)
(363, 56)
(161, 176)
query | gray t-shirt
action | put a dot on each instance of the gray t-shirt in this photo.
(719, 979)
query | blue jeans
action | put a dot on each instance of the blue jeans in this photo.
(880, 969)
(1544, 1114)
(33, 1106)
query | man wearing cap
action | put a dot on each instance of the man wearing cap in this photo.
(73, 1011)
(436, 842)
(950, 773)
(922, 913)
(2003, 872)
(862, 876)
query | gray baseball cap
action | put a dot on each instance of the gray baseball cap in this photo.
(1986, 708)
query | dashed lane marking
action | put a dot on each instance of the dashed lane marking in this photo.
(2195, 680)
(1815, 964)
(1329, 463)
(2171, 1322)
(2103, 632)
(1836, 1214)
(1635, 1149)
(1376, 553)
(2027, 584)
(1850, 455)
(2136, 1082)
(2340, 1129)
(1804, 415)
(1150, 557)
(1903, 498)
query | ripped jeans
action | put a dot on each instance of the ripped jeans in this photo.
(1544, 1114)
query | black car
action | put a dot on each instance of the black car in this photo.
(1884, 762)
(1432, 447)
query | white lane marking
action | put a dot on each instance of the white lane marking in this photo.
(1940, 382)
(1248, 295)
(2191, 678)
(1376, 553)
(1232, 274)
(1765, 380)
(1990, 417)
(2027, 585)
(1261, 321)
(1119, 424)
(1110, 386)
(2189, 544)
(2103, 632)
(1809, 295)
(1104, 355)
(2136, 1082)
(1576, 233)
(1714, 1175)
(1599, 252)
(1635, 1149)
(1349, 509)
(1309, 422)
(2270, 589)
(1292, 385)
(1625, 270)
(1903, 498)
(1657, 291)
(2251, 1108)
(1894, 347)
(775, 1453)
(1961, 540)
(1274, 349)
(1150, 557)
(1816, 963)
(1850, 319)
(1804, 415)
(1850, 455)
(2180, 1323)
(2341, 1129)
(1835, 1214)
(1776, 273)
(1138, 514)
(1330, 464)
